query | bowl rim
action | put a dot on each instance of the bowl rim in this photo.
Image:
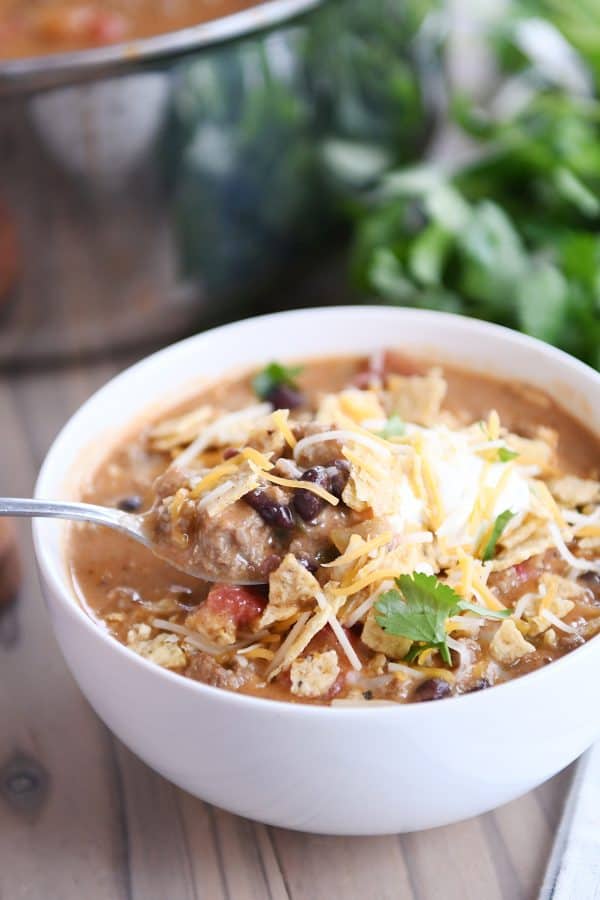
(30, 73)
(54, 573)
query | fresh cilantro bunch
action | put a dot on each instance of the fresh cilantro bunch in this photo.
(513, 236)
(418, 609)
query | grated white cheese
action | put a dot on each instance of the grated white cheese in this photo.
(227, 429)
(344, 436)
(558, 623)
(339, 632)
(582, 565)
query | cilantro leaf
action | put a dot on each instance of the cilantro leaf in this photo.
(505, 455)
(418, 610)
(498, 527)
(484, 611)
(272, 376)
(394, 427)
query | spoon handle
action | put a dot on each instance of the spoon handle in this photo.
(83, 512)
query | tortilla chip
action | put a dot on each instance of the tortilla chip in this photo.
(351, 406)
(537, 543)
(417, 398)
(572, 491)
(180, 430)
(533, 452)
(291, 589)
(375, 482)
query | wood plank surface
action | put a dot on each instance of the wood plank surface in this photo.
(81, 817)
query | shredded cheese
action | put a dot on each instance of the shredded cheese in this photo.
(342, 435)
(305, 485)
(588, 531)
(576, 562)
(280, 421)
(360, 583)
(212, 433)
(339, 632)
(483, 591)
(212, 478)
(291, 637)
(362, 550)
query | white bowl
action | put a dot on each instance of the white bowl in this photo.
(330, 770)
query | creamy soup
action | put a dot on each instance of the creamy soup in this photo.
(417, 532)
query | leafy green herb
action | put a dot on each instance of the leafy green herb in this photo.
(418, 610)
(273, 376)
(394, 427)
(514, 235)
(484, 611)
(505, 455)
(499, 525)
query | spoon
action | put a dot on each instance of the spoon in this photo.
(127, 523)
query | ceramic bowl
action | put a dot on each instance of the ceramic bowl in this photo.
(334, 770)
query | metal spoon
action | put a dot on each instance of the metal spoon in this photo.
(127, 523)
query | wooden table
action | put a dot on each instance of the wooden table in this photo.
(81, 817)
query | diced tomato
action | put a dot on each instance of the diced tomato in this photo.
(107, 27)
(242, 605)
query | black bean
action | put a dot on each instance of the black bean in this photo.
(339, 473)
(480, 685)
(285, 397)
(591, 580)
(273, 513)
(130, 504)
(309, 562)
(308, 505)
(368, 695)
(270, 563)
(316, 475)
(432, 689)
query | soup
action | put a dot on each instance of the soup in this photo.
(39, 27)
(417, 532)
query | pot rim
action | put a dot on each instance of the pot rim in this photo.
(41, 72)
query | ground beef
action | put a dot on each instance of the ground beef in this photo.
(237, 542)
(320, 454)
(205, 668)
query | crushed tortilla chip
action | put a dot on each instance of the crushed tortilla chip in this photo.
(395, 647)
(572, 491)
(350, 407)
(374, 483)
(537, 543)
(417, 398)
(180, 430)
(291, 589)
(164, 649)
(308, 631)
(314, 675)
(533, 452)
(508, 644)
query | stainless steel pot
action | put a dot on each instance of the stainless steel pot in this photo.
(151, 187)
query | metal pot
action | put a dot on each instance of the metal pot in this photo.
(149, 188)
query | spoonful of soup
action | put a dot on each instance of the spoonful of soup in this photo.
(229, 525)
(142, 528)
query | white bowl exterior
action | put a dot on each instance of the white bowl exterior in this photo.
(331, 770)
